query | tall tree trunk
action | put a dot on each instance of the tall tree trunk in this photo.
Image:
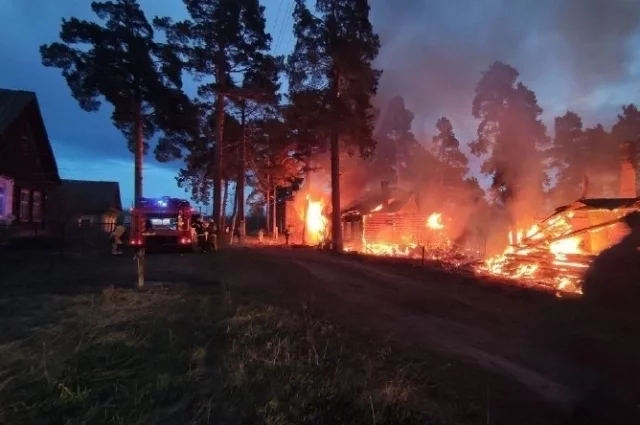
(139, 154)
(225, 201)
(306, 203)
(217, 172)
(268, 206)
(137, 194)
(274, 216)
(336, 224)
(241, 175)
(234, 215)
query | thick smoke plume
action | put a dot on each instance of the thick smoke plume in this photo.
(568, 51)
(574, 54)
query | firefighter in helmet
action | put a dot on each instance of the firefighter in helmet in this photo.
(212, 235)
(198, 226)
(117, 237)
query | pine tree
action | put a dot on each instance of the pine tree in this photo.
(453, 163)
(569, 156)
(627, 127)
(197, 153)
(395, 143)
(273, 161)
(222, 40)
(583, 157)
(258, 94)
(511, 137)
(119, 61)
(602, 164)
(332, 64)
(627, 130)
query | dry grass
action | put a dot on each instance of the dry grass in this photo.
(177, 356)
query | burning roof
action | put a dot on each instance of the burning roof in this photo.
(390, 201)
(601, 204)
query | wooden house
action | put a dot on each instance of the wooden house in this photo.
(28, 169)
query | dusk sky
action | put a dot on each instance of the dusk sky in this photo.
(575, 54)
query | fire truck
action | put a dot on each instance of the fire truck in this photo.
(162, 223)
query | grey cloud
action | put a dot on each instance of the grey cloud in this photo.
(433, 51)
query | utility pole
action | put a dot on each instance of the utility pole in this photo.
(139, 154)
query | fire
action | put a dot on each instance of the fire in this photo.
(427, 243)
(435, 221)
(566, 246)
(541, 254)
(316, 222)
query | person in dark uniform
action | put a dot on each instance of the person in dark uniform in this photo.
(212, 236)
(287, 234)
(198, 226)
(148, 226)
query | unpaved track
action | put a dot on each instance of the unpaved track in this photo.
(539, 343)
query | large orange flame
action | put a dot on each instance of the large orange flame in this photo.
(316, 221)
(435, 221)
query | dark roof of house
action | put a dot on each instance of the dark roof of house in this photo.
(12, 104)
(601, 204)
(390, 201)
(84, 197)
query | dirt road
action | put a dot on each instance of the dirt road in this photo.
(525, 350)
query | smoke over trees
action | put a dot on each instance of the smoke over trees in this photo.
(395, 142)
(453, 163)
(568, 51)
(511, 136)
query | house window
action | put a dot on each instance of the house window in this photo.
(3, 188)
(85, 221)
(25, 210)
(6, 199)
(36, 207)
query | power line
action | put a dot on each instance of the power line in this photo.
(290, 35)
(275, 23)
(288, 18)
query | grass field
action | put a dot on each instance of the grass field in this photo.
(182, 354)
(278, 336)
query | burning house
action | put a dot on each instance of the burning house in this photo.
(392, 222)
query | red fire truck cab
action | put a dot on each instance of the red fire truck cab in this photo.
(162, 223)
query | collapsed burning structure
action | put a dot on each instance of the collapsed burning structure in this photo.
(559, 250)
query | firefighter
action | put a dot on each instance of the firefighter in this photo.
(260, 235)
(148, 226)
(212, 239)
(198, 226)
(286, 233)
(117, 237)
